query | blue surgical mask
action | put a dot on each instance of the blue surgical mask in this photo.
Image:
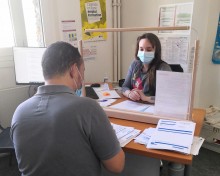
(146, 57)
(78, 92)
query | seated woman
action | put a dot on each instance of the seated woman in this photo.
(140, 82)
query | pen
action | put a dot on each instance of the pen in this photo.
(102, 100)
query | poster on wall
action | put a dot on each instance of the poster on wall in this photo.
(216, 50)
(167, 16)
(175, 15)
(89, 52)
(174, 49)
(69, 32)
(93, 16)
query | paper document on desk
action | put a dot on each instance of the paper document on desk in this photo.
(173, 94)
(145, 136)
(107, 94)
(106, 102)
(125, 134)
(196, 145)
(150, 109)
(132, 106)
(173, 135)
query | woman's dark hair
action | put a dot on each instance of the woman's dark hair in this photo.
(58, 58)
(155, 63)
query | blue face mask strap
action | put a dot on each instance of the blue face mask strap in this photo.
(78, 91)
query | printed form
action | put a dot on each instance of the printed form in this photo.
(173, 135)
(125, 134)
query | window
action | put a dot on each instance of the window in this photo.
(6, 29)
(33, 23)
(21, 23)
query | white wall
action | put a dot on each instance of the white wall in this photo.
(56, 11)
(10, 94)
(143, 14)
(10, 99)
(205, 19)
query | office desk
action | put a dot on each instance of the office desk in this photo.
(176, 159)
(171, 156)
(198, 117)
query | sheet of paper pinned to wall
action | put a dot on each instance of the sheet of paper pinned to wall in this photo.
(173, 92)
(89, 51)
(69, 31)
(175, 49)
(179, 14)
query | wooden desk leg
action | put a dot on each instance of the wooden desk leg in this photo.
(187, 170)
(175, 169)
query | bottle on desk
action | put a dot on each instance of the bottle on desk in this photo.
(106, 78)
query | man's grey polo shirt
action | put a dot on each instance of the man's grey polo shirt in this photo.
(56, 132)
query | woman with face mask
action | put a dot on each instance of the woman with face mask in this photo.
(140, 82)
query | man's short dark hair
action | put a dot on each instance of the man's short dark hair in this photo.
(58, 58)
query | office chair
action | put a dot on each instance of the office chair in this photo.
(6, 144)
(176, 67)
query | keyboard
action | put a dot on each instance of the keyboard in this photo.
(91, 93)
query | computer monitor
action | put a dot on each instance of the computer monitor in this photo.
(27, 62)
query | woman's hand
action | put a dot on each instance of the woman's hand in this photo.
(132, 94)
(144, 97)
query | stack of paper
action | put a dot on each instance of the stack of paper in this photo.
(145, 136)
(125, 134)
(173, 135)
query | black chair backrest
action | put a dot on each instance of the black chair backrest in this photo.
(6, 144)
(5, 140)
(176, 67)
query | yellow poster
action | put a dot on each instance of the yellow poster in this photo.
(93, 15)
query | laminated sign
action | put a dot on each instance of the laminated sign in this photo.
(93, 16)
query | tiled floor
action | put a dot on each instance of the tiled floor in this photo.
(207, 163)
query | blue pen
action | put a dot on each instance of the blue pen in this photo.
(102, 100)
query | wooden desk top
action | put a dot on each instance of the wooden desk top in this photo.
(198, 117)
